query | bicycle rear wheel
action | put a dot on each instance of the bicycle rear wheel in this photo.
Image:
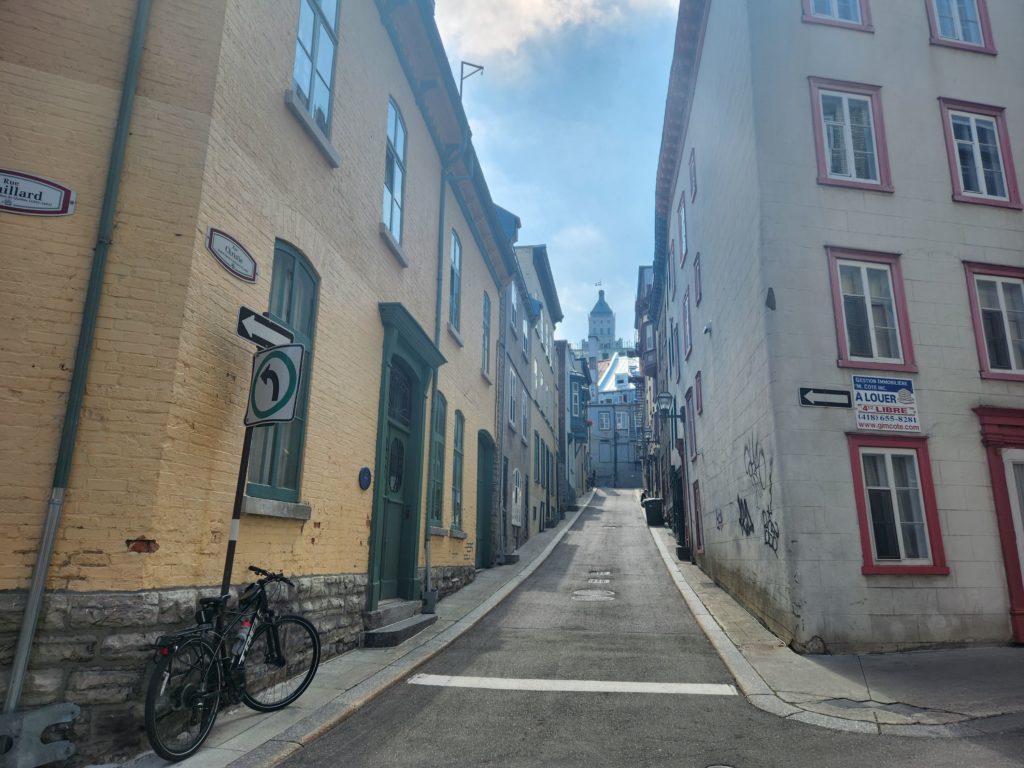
(182, 698)
(280, 663)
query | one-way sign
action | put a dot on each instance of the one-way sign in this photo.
(826, 398)
(262, 331)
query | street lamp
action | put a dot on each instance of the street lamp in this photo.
(665, 403)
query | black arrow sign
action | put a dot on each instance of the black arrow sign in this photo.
(276, 385)
(261, 330)
(826, 398)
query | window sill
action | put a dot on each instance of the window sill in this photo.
(252, 505)
(905, 570)
(435, 531)
(455, 533)
(486, 377)
(319, 139)
(454, 333)
(986, 49)
(867, 365)
(393, 245)
(867, 186)
(995, 202)
(1002, 375)
(812, 19)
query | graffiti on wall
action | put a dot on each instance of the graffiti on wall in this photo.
(758, 468)
(719, 519)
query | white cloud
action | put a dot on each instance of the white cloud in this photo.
(484, 30)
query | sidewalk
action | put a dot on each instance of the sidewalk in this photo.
(947, 693)
(242, 738)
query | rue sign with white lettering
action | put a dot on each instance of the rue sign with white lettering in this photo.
(34, 195)
(885, 404)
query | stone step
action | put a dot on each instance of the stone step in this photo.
(397, 633)
(390, 612)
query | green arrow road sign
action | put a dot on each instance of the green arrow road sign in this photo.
(275, 385)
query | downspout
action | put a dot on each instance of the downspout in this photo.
(445, 178)
(86, 336)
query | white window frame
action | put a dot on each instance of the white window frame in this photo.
(575, 398)
(973, 118)
(888, 453)
(1000, 281)
(524, 416)
(604, 422)
(393, 210)
(848, 150)
(863, 266)
(958, 24)
(833, 12)
(513, 397)
(621, 420)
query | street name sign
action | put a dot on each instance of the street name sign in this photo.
(885, 404)
(261, 330)
(34, 195)
(825, 398)
(232, 255)
(274, 389)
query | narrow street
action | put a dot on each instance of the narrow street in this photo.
(601, 609)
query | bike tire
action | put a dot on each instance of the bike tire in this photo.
(274, 680)
(182, 699)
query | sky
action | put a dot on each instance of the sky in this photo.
(566, 120)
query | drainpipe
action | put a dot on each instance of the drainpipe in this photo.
(86, 335)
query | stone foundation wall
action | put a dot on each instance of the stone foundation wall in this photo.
(447, 579)
(93, 648)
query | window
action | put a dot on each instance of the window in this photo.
(621, 420)
(485, 361)
(575, 398)
(691, 425)
(394, 173)
(978, 149)
(526, 336)
(525, 412)
(699, 393)
(517, 495)
(675, 350)
(514, 308)
(313, 72)
(681, 220)
(438, 425)
(849, 135)
(870, 310)
(671, 267)
(897, 514)
(961, 24)
(697, 289)
(275, 462)
(455, 301)
(693, 174)
(513, 395)
(698, 523)
(854, 14)
(687, 327)
(604, 421)
(997, 311)
(536, 457)
(460, 428)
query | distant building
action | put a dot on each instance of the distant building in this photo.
(617, 415)
(601, 342)
(573, 430)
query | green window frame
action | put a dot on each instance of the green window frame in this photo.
(275, 463)
(485, 363)
(438, 425)
(394, 173)
(316, 49)
(455, 304)
(536, 456)
(457, 460)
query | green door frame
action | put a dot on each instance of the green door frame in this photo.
(485, 453)
(403, 337)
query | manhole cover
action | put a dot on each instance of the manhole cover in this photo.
(591, 595)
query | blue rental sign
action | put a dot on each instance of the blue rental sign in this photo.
(886, 404)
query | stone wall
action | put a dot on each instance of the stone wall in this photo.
(92, 648)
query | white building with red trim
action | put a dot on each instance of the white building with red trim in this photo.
(839, 299)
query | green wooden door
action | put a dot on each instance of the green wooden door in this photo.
(397, 488)
(484, 499)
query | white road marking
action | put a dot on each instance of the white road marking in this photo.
(572, 686)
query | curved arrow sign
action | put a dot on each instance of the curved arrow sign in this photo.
(274, 389)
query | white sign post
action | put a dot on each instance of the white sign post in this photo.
(885, 404)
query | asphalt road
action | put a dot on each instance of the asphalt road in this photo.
(603, 608)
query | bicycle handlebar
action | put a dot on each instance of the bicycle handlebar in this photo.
(270, 575)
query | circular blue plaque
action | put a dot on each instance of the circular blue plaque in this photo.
(364, 478)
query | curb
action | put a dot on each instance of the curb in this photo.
(303, 733)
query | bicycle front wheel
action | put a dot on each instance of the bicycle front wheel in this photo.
(182, 698)
(280, 663)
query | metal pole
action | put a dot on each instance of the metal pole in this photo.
(76, 393)
(236, 512)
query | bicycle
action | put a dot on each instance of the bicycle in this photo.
(250, 655)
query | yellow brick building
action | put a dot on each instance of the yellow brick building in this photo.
(328, 141)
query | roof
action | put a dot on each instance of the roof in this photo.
(539, 256)
(601, 308)
(618, 365)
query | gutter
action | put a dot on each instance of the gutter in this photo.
(86, 336)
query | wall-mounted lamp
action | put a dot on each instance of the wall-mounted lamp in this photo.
(666, 403)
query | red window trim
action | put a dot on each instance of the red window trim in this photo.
(698, 291)
(1009, 171)
(673, 279)
(837, 253)
(865, 18)
(988, 42)
(675, 343)
(684, 247)
(699, 390)
(691, 425)
(693, 174)
(919, 445)
(697, 523)
(687, 325)
(973, 268)
(873, 92)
